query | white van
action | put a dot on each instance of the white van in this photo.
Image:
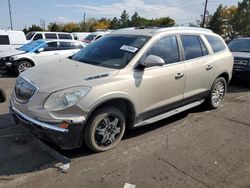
(36, 35)
(11, 39)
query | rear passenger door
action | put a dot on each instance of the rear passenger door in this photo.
(199, 67)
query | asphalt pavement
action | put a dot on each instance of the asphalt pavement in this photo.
(197, 148)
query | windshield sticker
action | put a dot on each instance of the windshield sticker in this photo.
(129, 48)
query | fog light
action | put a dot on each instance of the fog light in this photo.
(64, 125)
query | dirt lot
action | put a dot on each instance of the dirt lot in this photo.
(197, 148)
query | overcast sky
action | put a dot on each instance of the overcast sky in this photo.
(27, 12)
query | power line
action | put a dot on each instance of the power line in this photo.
(11, 26)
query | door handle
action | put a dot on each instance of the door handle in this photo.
(178, 76)
(55, 53)
(209, 67)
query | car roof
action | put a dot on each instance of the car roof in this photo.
(155, 30)
(60, 40)
(50, 32)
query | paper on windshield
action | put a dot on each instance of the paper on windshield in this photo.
(129, 48)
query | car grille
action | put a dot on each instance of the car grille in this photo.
(24, 90)
(241, 63)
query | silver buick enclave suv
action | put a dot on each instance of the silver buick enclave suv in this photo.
(129, 78)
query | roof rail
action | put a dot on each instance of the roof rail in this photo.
(183, 28)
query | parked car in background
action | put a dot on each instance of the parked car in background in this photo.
(36, 35)
(240, 48)
(11, 39)
(38, 52)
(94, 36)
(80, 35)
(128, 78)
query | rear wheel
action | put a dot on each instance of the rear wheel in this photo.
(105, 129)
(22, 66)
(217, 93)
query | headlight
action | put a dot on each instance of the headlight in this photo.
(65, 98)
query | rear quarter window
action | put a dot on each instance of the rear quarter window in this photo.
(4, 40)
(216, 43)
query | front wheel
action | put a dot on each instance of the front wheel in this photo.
(105, 129)
(22, 66)
(217, 93)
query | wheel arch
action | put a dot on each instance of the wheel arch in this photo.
(26, 59)
(125, 105)
(224, 75)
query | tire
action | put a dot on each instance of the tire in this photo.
(22, 66)
(104, 129)
(217, 93)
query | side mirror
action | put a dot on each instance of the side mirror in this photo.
(2, 96)
(153, 60)
(40, 50)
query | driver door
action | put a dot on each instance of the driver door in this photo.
(50, 53)
(161, 88)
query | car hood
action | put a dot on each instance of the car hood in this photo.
(11, 53)
(66, 73)
(241, 54)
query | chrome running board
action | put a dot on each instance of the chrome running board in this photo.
(168, 114)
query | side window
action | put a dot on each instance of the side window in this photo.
(38, 36)
(50, 46)
(4, 40)
(65, 46)
(50, 36)
(216, 43)
(64, 36)
(167, 49)
(192, 46)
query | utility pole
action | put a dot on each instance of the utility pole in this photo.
(204, 15)
(11, 26)
(84, 17)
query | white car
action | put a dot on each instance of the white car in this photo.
(38, 52)
(95, 35)
(11, 39)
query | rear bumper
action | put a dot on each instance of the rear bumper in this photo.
(69, 138)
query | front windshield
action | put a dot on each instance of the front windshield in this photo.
(31, 46)
(29, 36)
(240, 45)
(113, 51)
(90, 37)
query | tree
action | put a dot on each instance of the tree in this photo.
(164, 21)
(54, 27)
(34, 28)
(242, 18)
(25, 30)
(114, 24)
(217, 22)
(135, 19)
(125, 22)
(71, 27)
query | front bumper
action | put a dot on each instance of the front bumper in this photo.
(69, 138)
